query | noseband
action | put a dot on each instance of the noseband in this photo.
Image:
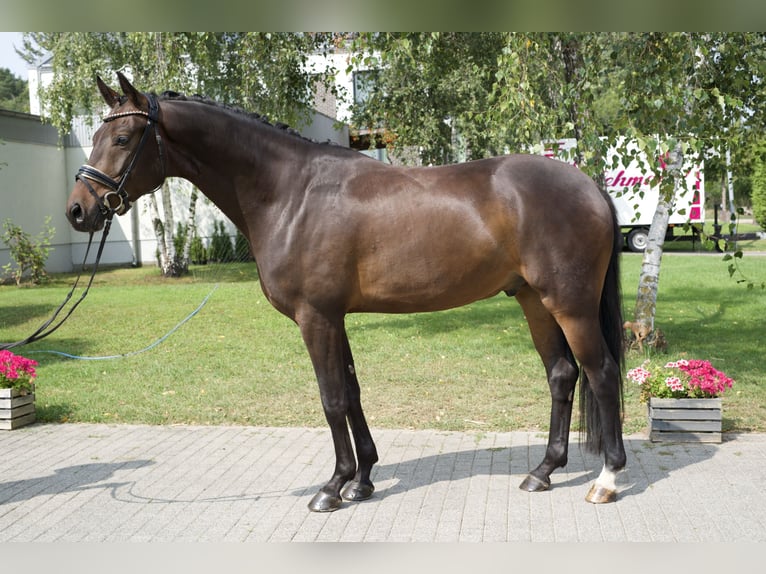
(116, 199)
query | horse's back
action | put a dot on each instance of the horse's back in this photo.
(526, 183)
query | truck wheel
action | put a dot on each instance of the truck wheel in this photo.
(638, 239)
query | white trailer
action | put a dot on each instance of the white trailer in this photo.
(635, 192)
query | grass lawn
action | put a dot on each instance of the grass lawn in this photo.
(238, 361)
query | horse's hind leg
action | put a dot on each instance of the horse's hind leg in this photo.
(361, 487)
(603, 400)
(561, 370)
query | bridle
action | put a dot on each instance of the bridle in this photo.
(116, 200)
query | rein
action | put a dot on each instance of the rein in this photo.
(45, 329)
(122, 205)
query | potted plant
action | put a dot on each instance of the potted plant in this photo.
(684, 399)
(17, 390)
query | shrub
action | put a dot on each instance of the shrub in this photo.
(28, 253)
(197, 251)
(179, 238)
(221, 249)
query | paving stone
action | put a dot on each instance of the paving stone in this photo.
(137, 483)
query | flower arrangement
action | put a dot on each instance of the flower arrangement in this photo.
(682, 379)
(16, 372)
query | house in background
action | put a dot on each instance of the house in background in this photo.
(352, 83)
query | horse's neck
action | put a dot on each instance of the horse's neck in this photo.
(230, 158)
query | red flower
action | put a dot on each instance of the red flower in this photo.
(16, 371)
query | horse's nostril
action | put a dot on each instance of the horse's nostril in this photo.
(75, 213)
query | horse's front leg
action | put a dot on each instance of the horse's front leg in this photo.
(324, 340)
(361, 488)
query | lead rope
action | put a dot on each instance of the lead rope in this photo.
(136, 352)
(41, 331)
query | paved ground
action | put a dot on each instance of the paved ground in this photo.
(123, 483)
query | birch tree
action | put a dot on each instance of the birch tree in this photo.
(689, 93)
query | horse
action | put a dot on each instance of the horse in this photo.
(335, 232)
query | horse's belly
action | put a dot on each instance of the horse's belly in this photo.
(431, 280)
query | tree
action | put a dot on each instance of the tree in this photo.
(428, 91)
(14, 95)
(459, 96)
(692, 92)
(262, 72)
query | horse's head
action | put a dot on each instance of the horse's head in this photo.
(125, 163)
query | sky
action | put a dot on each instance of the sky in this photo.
(8, 57)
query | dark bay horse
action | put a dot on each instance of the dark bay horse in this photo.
(335, 232)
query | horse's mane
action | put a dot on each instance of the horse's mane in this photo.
(175, 96)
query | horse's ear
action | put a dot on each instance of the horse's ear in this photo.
(135, 97)
(111, 97)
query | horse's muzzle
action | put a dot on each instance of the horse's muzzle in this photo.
(83, 219)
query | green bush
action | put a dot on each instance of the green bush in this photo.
(221, 249)
(28, 253)
(179, 238)
(758, 197)
(197, 251)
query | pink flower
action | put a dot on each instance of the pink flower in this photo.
(638, 375)
(707, 379)
(14, 368)
(674, 383)
(678, 379)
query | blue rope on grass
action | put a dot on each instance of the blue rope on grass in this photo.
(139, 351)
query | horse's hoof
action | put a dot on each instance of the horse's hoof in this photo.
(355, 491)
(323, 502)
(534, 484)
(600, 495)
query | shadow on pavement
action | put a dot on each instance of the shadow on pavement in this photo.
(67, 479)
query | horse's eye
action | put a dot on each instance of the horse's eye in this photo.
(121, 140)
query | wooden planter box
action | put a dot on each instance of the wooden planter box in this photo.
(685, 420)
(16, 409)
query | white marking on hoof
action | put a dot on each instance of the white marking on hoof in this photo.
(604, 490)
(607, 479)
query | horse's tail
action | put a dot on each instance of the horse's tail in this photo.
(610, 317)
